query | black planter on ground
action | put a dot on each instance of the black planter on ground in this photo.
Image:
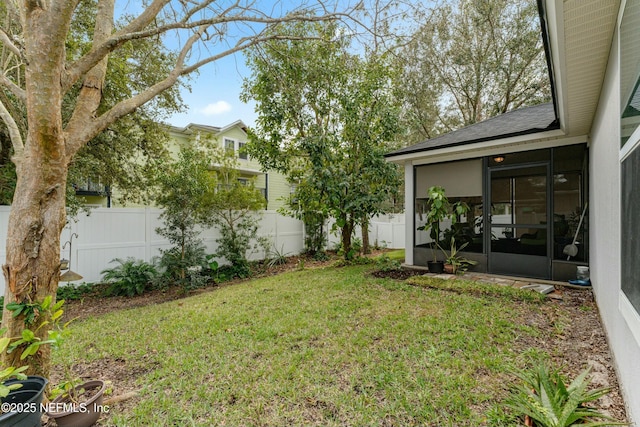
(29, 396)
(436, 267)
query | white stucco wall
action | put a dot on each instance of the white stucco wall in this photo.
(459, 179)
(604, 226)
(409, 209)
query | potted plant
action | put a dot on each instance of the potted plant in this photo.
(19, 391)
(78, 405)
(22, 395)
(440, 209)
(23, 400)
(455, 264)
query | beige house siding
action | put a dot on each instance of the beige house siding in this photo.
(272, 182)
(279, 190)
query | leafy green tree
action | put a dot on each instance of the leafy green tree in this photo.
(127, 154)
(469, 61)
(184, 189)
(326, 115)
(234, 210)
(306, 204)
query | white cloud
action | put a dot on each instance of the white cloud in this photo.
(216, 108)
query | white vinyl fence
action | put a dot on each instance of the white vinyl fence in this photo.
(108, 233)
(386, 231)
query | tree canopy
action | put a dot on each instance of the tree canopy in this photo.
(130, 150)
(469, 61)
(326, 117)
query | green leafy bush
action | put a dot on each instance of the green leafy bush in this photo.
(72, 292)
(178, 264)
(130, 277)
(544, 396)
(385, 264)
(321, 256)
(354, 252)
(359, 260)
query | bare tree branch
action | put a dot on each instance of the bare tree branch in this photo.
(6, 41)
(13, 88)
(87, 128)
(245, 15)
(14, 131)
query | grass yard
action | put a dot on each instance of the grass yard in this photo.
(323, 346)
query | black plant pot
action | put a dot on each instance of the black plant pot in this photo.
(436, 267)
(29, 396)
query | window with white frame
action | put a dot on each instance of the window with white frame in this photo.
(229, 145)
(242, 151)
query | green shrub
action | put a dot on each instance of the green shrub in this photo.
(321, 256)
(178, 264)
(130, 277)
(354, 252)
(359, 260)
(385, 264)
(544, 396)
(73, 292)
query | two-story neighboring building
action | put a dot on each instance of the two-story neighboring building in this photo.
(542, 178)
(233, 137)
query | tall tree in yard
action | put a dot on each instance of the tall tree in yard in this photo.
(183, 190)
(469, 61)
(40, 77)
(234, 210)
(329, 113)
(126, 155)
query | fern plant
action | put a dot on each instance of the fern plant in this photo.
(549, 402)
(131, 277)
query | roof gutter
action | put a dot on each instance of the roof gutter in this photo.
(553, 126)
(546, 41)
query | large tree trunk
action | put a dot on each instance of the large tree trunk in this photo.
(32, 264)
(347, 231)
(37, 216)
(366, 247)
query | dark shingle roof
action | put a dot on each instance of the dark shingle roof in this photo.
(527, 120)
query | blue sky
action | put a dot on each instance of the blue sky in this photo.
(215, 95)
(214, 98)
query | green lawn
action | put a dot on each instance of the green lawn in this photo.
(329, 346)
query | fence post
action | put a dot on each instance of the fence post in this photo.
(147, 234)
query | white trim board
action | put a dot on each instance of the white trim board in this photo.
(630, 315)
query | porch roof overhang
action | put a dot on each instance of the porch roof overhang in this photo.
(578, 38)
(518, 125)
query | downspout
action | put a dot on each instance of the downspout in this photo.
(266, 190)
